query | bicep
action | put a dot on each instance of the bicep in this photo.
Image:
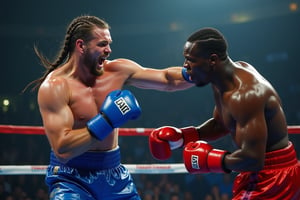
(56, 114)
(250, 136)
(213, 128)
(251, 133)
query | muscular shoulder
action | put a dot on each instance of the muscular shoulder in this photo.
(122, 64)
(53, 90)
(248, 67)
(53, 84)
(251, 99)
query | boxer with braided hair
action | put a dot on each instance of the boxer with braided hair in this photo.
(80, 27)
(81, 102)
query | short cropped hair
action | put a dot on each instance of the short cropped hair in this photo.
(209, 41)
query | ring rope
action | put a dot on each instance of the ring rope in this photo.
(39, 130)
(132, 168)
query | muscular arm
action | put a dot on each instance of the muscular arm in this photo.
(251, 137)
(53, 99)
(213, 128)
(168, 79)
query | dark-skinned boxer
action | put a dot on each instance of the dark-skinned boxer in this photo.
(248, 108)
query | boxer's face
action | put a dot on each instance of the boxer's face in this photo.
(97, 51)
(197, 66)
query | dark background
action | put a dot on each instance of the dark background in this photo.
(152, 33)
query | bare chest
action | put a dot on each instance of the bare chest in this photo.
(224, 111)
(85, 102)
(227, 118)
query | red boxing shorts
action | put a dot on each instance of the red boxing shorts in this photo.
(280, 178)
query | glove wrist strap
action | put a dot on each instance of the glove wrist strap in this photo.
(190, 134)
(99, 127)
(215, 161)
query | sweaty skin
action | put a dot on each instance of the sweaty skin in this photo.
(73, 93)
(247, 107)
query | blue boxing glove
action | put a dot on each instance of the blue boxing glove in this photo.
(186, 76)
(118, 107)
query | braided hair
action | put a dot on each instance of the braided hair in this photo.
(80, 28)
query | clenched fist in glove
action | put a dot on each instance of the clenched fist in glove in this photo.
(164, 139)
(118, 107)
(200, 157)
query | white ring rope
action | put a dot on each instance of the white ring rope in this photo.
(133, 169)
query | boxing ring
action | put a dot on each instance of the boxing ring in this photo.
(173, 168)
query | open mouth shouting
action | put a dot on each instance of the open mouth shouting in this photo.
(100, 63)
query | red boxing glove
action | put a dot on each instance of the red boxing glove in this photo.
(200, 157)
(164, 139)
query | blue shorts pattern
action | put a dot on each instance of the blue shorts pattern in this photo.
(86, 177)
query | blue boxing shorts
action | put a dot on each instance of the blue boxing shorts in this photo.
(90, 176)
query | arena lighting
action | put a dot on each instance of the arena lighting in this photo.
(5, 102)
(5, 105)
(240, 18)
(293, 7)
(175, 26)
